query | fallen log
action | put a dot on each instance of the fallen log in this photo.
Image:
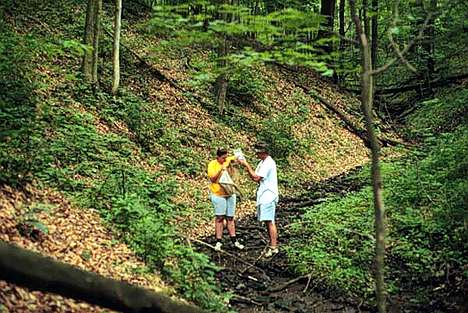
(349, 124)
(361, 133)
(36, 272)
(432, 84)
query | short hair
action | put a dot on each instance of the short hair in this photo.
(221, 152)
(261, 147)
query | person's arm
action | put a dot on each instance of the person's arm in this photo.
(252, 174)
(215, 177)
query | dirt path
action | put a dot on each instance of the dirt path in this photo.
(266, 285)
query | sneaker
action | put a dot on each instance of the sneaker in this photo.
(271, 252)
(218, 246)
(238, 245)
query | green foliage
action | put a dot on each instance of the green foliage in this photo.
(441, 114)
(140, 207)
(29, 224)
(339, 255)
(425, 199)
(19, 104)
(245, 86)
(278, 131)
(63, 142)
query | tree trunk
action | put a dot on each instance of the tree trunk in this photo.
(342, 24)
(97, 31)
(374, 31)
(223, 51)
(430, 42)
(91, 38)
(327, 9)
(87, 65)
(222, 81)
(36, 272)
(366, 101)
(116, 48)
(365, 6)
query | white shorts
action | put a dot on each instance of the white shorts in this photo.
(266, 212)
(224, 205)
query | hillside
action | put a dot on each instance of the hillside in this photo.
(128, 173)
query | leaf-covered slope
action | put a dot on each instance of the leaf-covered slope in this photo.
(120, 155)
(44, 221)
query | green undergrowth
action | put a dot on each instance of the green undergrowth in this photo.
(440, 114)
(122, 155)
(425, 196)
(65, 140)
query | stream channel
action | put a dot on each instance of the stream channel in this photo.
(267, 285)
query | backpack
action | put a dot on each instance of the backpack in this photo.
(228, 184)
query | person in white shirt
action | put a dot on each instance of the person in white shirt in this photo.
(267, 193)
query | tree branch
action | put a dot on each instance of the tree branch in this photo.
(229, 254)
(401, 53)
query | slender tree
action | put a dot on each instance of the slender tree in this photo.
(91, 38)
(429, 42)
(366, 106)
(116, 48)
(221, 84)
(366, 80)
(222, 79)
(97, 32)
(374, 32)
(342, 24)
(365, 17)
(87, 65)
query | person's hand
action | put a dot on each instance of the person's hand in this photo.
(243, 162)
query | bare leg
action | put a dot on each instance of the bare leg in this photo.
(272, 232)
(231, 226)
(219, 226)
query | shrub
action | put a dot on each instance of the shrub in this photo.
(245, 86)
(425, 196)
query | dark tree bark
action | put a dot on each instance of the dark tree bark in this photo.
(36, 272)
(327, 9)
(222, 80)
(365, 18)
(374, 31)
(97, 32)
(342, 24)
(428, 42)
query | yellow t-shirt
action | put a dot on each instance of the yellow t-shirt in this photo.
(213, 168)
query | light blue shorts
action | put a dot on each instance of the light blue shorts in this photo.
(266, 212)
(224, 205)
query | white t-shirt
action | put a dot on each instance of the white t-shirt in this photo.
(267, 191)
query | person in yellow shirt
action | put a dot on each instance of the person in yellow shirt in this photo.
(224, 205)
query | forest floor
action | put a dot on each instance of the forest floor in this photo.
(260, 284)
(267, 285)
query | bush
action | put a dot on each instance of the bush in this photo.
(425, 196)
(18, 124)
(278, 131)
(245, 87)
(442, 114)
